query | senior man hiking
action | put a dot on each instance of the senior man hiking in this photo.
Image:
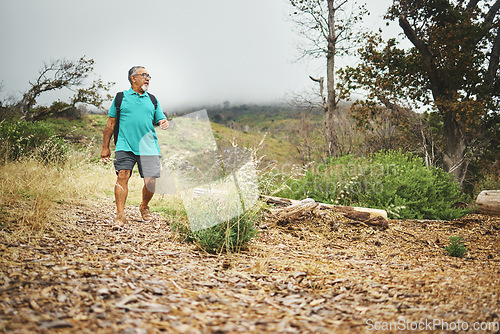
(135, 112)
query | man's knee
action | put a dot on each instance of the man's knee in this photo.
(123, 175)
(150, 183)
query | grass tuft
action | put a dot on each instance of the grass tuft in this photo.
(455, 247)
(231, 236)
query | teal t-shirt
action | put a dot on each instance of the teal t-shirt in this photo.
(136, 131)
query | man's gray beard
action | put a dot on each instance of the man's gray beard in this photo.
(145, 88)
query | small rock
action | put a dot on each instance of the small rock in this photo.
(103, 292)
(55, 324)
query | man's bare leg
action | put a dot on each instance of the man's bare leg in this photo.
(121, 192)
(147, 194)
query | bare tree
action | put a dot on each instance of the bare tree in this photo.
(327, 26)
(304, 138)
(348, 139)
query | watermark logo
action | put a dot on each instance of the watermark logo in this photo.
(431, 325)
(215, 184)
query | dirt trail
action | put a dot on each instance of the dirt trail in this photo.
(316, 275)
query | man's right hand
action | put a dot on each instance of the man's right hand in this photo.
(105, 155)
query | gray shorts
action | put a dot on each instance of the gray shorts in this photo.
(149, 165)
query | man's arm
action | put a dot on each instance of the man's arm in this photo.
(108, 131)
(158, 115)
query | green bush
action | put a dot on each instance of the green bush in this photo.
(397, 182)
(20, 139)
(411, 190)
(455, 247)
(230, 236)
(323, 182)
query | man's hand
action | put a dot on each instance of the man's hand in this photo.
(105, 155)
(164, 124)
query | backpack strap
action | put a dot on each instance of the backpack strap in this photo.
(154, 100)
(118, 103)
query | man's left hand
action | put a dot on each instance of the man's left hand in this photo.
(164, 124)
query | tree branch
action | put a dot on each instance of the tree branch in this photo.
(424, 51)
(472, 4)
(492, 13)
(340, 5)
(494, 61)
(487, 24)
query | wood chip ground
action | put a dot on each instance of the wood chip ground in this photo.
(317, 273)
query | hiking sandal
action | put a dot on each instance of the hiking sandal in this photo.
(145, 213)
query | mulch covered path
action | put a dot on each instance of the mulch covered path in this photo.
(316, 274)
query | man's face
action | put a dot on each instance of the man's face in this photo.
(141, 79)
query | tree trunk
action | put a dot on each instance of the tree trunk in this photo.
(331, 102)
(488, 202)
(454, 161)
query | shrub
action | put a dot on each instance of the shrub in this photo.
(230, 236)
(419, 192)
(323, 182)
(20, 139)
(397, 182)
(53, 150)
(455, 247)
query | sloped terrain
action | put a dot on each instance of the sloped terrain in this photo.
(316, 274)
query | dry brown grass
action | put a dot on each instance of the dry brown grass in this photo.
(30, 190)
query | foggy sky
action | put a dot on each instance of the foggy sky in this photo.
(197, 51)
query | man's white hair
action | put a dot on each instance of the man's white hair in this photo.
(133, 71)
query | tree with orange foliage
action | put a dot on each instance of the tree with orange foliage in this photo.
(452, 66)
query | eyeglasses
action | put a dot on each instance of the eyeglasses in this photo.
(144, 75)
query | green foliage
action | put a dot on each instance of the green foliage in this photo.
(391, 180)
(415, 191)
(230, 236)
(455, 247)
(489, 181)
(57, 109)
(448, 68)
(322, 182)
(20, 139)
(262, 117)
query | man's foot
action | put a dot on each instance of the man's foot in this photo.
(119, 221)
(145, 213)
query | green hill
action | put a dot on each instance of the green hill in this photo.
(268, 134)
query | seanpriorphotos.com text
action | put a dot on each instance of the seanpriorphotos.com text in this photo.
(432, 324)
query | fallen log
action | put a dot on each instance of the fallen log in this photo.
(488, 202)
(294, 208)
(340, 208)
